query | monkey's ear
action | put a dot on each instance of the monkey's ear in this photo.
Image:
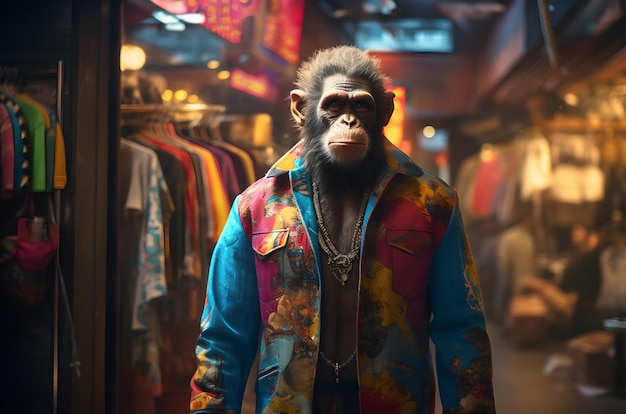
(297, 105)
(387, 107)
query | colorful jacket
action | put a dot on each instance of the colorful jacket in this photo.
(417, 282)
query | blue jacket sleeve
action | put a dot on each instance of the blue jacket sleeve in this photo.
(229, 336)
(458, 329)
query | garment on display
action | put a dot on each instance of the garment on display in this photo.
(34, 301)
(178, 177)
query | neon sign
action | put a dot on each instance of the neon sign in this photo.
(283, 29)
(256, 85)
(394, 130)
(222, 17)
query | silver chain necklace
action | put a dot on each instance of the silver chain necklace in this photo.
(340, 264)
(336, 365)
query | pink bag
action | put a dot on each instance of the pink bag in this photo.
(24, 267)
(30, 251)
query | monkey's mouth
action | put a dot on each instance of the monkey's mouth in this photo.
(347, 152)
(346, 144)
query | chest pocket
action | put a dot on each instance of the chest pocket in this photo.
(271, 258)
(411, 251)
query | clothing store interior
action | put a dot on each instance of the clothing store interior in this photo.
(123, 119)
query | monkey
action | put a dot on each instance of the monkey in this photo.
(339, 266)
(341, 106)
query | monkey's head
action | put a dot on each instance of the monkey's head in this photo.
(341, 105)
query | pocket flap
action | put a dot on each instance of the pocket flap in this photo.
(409, 240)
(267, 242)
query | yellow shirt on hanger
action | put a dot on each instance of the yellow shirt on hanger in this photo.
(60, 172)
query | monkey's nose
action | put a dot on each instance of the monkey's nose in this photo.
(350, 121)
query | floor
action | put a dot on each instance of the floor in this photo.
(521, 387)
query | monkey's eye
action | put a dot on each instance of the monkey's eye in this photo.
(362, 105)
(332, 105)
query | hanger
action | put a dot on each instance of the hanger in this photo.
(9, 79)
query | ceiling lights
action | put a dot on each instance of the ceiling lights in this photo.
(178, 22)
(132, 57)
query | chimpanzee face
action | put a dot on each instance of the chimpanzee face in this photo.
(344, 120)
(348, 111)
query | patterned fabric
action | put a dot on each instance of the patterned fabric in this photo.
(415, 263)
(43, 145)
(35, 125)
(21, 143)
(7, 149)
(147, 186)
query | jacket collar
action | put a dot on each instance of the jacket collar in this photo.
(396, 160)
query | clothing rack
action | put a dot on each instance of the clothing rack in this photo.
(207, 176)
(14, 75)
(140, 114)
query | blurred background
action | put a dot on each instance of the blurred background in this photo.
(519, 104)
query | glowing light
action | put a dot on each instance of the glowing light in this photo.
(167, 95)
(180, 95)
(175, 27)
(394, 130)
(282, 31)
(132, 57)
(165, 18)
(571, 99)
(258, 85)
(213, 64)
(193, 98)
(429, 131)
(487, 153)
(223, 74)
(192, 18)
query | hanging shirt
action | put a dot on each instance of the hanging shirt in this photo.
(577, 184)
(466, 185)
(36, 126)
(536, 167)
(21, 143)
(193, 261)
(7, 151)
(516, 261)
(49, 133)
(613, 287)
(59, 172)
(54, 153)
(147, 185)
(488, 178)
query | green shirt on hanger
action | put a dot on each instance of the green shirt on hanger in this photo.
(37, 132)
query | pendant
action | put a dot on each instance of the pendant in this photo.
(337, 372)
(343, 261)
(344, 279)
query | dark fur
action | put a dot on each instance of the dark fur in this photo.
(354, 63)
